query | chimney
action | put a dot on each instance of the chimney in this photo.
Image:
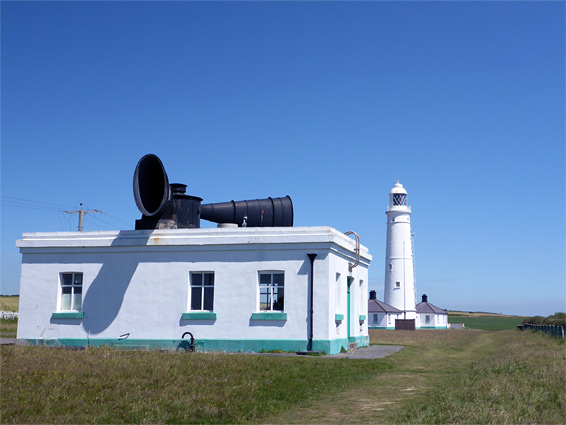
(372, 295)
(425, 298)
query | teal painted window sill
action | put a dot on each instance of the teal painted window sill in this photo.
(199, 315)
(362, 317)
(338, 317)
(68, 315)
(269, 316)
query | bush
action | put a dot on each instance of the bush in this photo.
(557, 319)
(535, 320)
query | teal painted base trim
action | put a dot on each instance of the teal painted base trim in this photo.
(199, 315)
(269, 316)
(232, 346)
(68, 315)
(362, 317)
(377, 327)
(338, 317)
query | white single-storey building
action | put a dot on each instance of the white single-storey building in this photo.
(380, 314)
(431, 317)
(235, 289)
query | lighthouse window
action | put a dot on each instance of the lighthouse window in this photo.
(397, 284)
(390, 266)
(399, 199)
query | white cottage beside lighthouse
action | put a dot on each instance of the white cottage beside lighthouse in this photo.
(399, 271)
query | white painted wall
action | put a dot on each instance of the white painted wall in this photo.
(384, 320)
(137, 282)
(435, 320)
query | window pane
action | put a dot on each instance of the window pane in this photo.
(278, 298)
(208, 298)
(77, 302)
(67, 279)
(264, 278)
(196, 298)
(208, 278)
(278, 279)
(66, 290)
(264, 299)
(78, 290)
(66, 301)
(78, 279)
(196, 279)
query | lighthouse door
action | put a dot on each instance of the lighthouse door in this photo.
(348, 321)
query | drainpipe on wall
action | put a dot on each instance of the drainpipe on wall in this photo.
(311, 331)
(311, 309)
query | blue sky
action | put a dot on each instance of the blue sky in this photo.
(328, 102)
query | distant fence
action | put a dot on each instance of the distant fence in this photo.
(8, 315)
(552, 330)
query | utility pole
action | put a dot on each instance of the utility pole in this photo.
(81, 214)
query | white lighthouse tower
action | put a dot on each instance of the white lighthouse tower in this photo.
(399, 275)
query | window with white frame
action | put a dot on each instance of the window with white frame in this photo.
(271, 291)
(71, 291)
(202, 291)
(427, 319)
(375, 318)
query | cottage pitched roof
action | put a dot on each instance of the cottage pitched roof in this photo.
(426, 307)
(376, 306)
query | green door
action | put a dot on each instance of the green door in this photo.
(350, 280)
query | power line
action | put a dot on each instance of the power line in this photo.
(29, 206)
(117, 219)
(98, 220)
(32, 202)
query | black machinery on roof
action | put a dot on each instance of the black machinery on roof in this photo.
(166, 206)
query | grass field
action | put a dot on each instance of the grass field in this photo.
(439, 377)
(9, 303)
(492, 322)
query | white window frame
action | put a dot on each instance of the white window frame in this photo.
(75, 291)
(203, 290)
(270, 289)
(375, 318)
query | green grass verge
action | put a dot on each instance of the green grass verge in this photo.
(102, 385)
(488, 322)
